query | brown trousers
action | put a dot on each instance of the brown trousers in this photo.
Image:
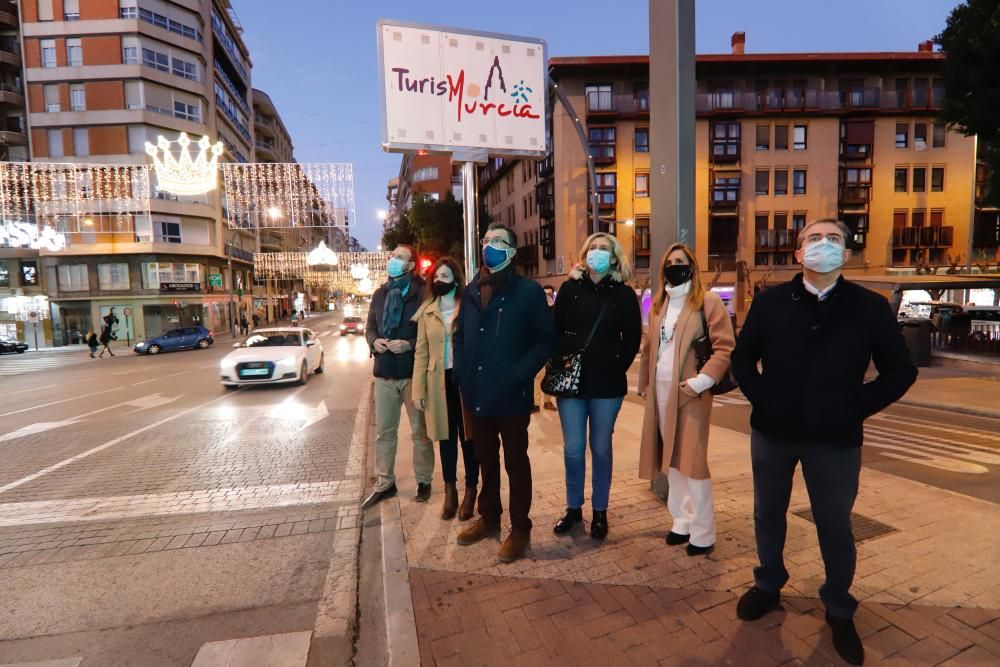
(488, 433)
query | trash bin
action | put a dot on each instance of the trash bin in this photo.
(917, 334)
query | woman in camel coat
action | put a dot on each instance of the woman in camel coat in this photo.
(678, 400)
(434, 390)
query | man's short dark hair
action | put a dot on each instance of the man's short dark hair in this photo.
(413, 253)
(511, 234)
(844, 229)
(548, 287)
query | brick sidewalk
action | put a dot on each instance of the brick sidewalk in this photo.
(633, 600)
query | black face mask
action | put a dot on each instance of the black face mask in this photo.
(677, 274)
(440, 288)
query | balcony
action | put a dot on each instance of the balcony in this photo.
(604, 103)
(527, 255)
(547, 168)
(606, 199)
(266, 149)
(8, 20)
(269, 242)
(725, 190)
(725, 151)
(546, 204)
(905, 237)
(799, 100)
(10, 52)
(855, 151)
(855, 195)
(721, 261)
(767, 240)
(11, 95)
(788, 240)
(603, 152)
(547, 237)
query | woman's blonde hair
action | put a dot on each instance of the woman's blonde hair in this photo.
(622, 269)
(696, 297)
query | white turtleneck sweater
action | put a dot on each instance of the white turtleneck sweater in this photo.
(676, 297)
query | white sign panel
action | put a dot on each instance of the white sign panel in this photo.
(454, 90)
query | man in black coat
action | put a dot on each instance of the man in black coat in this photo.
(815, 338)
(504, 335)
(392, 337)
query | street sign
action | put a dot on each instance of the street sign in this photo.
(33, 316)
(215, 279)
(453, 90)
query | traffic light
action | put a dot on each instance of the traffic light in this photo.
(425, 265)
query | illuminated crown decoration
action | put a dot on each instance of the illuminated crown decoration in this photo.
(322, 255)
(185, 176)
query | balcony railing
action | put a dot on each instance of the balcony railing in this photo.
(767, 240)
(603, 152)
(788, 239)
(546, 167)
(726, 150)
(872, 98)
(606, 102)
(546, 205)
(724, 261)
(547, 239)
(527, 255)
(725, 196)
(905, 237)
(855, 195)
(606, 198)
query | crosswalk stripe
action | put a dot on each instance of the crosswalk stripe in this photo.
(938, 441)
(890, 442)
(923, 423)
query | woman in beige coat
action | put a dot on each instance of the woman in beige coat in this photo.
(678, 400)
(434, 390)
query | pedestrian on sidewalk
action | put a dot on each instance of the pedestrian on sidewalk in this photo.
(256, 321)
(434, 388)
(597, 315)
(503, 338)
(815, 337)
(105, 340)
(92, 343)
(678, 401)
(244, 325)
(392, 337)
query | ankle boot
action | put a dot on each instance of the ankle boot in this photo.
(468, 507)
(573, 516)
(450, 501)
(599, 525)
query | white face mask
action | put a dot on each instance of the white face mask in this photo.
(823, 256)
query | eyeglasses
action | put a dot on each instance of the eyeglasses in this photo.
(833, 237)
(496, 242)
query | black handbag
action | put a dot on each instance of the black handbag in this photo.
(562, 375)
(703, 352)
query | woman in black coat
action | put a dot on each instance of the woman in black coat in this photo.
(595, 303)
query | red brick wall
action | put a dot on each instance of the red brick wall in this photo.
(36, 98)
(108, 140)
(105, 95)
(98, 9)
(39, 143)
(32, 52)
(103, 50)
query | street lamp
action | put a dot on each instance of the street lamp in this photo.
(381, 214)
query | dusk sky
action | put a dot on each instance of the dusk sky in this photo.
(317, 58)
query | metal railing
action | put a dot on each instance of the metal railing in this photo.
(816, 99)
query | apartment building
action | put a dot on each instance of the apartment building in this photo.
(422, 174)
(780, 139)
(104, 77)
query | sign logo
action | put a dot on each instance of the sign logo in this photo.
(184, 175)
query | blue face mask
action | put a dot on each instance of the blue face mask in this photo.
(599, 261)
(395, 267)
(495, 257)
(823, 256)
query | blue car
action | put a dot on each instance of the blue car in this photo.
(185, 338)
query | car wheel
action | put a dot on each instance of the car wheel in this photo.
(319, 369)
(203, 344)
(153, 349)
(21, 351)
(229, 387)
(303, 374)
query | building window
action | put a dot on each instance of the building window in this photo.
(29, 273)
(919, 179)
(917, 217)
(426, 174)
(55, 143)
(81, 141)
(168, 232)
(902, 135)
(71, 10)
(128, 12)
(799, 182)
(184, 69)
(920, 136)
(763, 137)
(642, 140)
(156, 273)
(763, 182)
(937, 179)
(899, 181)
(50, 94)
(642, 185)
(606, 184)
(799, 137)
(602, 142)
(780, 181)
(725, 141)
(77, 98)
(939, 131)
(726, 189)
(130, 55)
(187, 111)
(113, 276)
(73, 278)
(798, 221)
(937, 217)
(156, 60)
(642, 243)
(74, 52)
(599, 97)
(781, 221)
(781, 137)
(48, 53)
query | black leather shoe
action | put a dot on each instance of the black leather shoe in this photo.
(423, 493)
(673, 539)
(846, 640)
(699, 551)
(755, 603)
(599, 525)
(375, 496)
(565, 524)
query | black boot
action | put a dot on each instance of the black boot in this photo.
(755, 603)
(565, 524)
(599, 525)
(846, 640)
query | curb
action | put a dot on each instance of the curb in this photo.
(962, 409)
(400, 623)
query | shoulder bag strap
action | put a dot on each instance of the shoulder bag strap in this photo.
(704, 324)
(593, 329)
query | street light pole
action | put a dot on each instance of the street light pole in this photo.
(232, 280)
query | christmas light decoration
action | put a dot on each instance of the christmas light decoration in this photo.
(185, 176)
(279, 195)
(24, 235)
(321, 255)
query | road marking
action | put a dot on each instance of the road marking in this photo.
(285, 650)
(65, 400)
(988, 454)
(109, 443)
(235, 499)
(913, 421)
(141, 403)
(61, 662)
(47, 386)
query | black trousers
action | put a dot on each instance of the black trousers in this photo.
(831, 475)
(488, 433)
(456, 433)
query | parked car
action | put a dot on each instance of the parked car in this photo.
(8, 344)
(352, 325)
(273, 356)
(982, 323)
(184, 338)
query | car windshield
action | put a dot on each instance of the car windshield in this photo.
(273, 339)
(352, 320)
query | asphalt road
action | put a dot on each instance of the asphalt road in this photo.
(145, 511)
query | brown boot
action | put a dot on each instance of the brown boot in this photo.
(468, 507)
(476, 531)
(450, 501)
(514, 546)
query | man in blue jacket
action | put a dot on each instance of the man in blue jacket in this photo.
(504, 336)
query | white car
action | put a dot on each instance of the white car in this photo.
(273, 356)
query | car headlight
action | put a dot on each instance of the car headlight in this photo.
(227, 365)
(287, 361)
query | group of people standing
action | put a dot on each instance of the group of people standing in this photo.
(463, 358)
(108, 334)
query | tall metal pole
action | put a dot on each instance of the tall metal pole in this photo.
(470, 210)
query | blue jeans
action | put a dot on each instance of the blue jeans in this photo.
(573, 414)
